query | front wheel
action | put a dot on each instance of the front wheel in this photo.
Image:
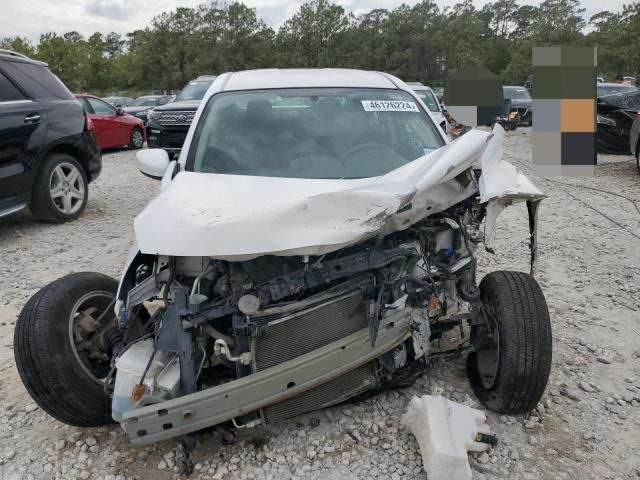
(510, 369)
(137, 139)
(63, 342)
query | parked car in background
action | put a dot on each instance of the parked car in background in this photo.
(167, 125)
(603, 89)
(48, 150)
(521, 102)
(528, 84)
(113, 127)
(431, 101)
(629, 80)
(118, 101)
(141, 105)
(634, 140)
(615, 115)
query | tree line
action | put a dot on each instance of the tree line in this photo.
(417, 43)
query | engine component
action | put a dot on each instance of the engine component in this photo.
(331, 393)
(249, 304)
(445, 430)
(161, 379)
(220, 347)
(311, 328)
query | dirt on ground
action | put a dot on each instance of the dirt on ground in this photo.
(586, 427)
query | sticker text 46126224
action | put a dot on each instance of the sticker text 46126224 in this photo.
(389, 106)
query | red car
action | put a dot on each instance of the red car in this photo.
(113, 127)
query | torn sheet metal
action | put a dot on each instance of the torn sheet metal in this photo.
(237, 217)
(501, 185)
(532, 208)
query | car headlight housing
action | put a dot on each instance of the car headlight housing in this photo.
(152, 114)
(601, 119)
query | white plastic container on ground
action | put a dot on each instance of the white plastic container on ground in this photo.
(445, 431)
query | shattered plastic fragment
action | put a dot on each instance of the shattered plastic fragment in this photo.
(445, 431)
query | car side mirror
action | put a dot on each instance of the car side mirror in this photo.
(120, 111)
(153, 162)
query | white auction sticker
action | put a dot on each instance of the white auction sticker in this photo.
(389, 106)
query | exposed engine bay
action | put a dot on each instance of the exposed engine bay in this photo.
(222, 321)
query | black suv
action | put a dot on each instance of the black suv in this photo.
(167, 125)
(48, 150)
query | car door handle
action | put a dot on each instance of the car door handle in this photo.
(32, 118)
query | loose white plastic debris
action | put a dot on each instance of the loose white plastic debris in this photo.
(445, 431)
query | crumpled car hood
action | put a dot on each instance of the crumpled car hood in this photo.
(237, 217)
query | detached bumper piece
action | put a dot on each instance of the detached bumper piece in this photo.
(267, 387)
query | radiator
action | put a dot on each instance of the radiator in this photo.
(293, 335)
(331, 393)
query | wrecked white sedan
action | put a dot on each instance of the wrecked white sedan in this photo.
(314, 241)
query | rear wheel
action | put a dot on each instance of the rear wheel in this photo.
(62, 345)
(510, 369)
(60, 191)
(137, 139)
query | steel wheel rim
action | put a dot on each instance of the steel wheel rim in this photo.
(66, 188)
(86, 302)
(137, 138)
(488, 358)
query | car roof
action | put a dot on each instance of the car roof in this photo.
(11, 56)
(306, 78)
(609, 84)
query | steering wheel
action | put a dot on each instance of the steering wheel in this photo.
(219, 161)
(363, 147)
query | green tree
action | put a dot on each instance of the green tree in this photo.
(312, 37)
(18, 44)
(421, 42)
(246, 41)
(66, 56)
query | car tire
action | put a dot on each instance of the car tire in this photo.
(61, 189)
(46, 356)
(510, 369)
(136, 140)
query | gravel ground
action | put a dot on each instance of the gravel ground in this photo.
(587, 425)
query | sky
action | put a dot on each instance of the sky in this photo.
(30, 18)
